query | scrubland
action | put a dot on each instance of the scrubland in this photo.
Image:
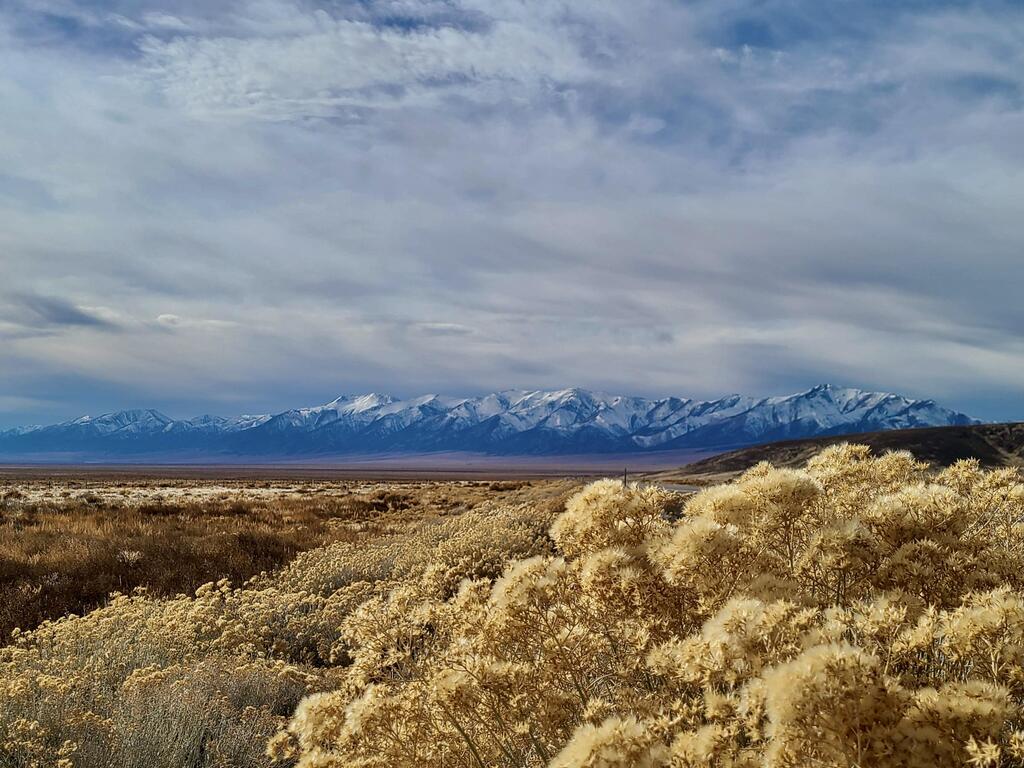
(206, 678)
(860, 611)
(65, 545)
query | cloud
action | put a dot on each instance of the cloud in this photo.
(51, 312)
(443, 329)
(307, 64)
(465, 195)
(169, 321)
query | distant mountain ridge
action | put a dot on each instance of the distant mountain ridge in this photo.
(993, 445)
(569, 421)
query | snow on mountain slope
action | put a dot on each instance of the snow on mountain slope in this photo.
(569, 420)
(18, 431)
(135, 422)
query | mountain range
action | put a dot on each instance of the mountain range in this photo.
(569, 421)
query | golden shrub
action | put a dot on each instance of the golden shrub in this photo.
(863, 611)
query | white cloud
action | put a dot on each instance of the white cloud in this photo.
(314, 65)
(456, 196)
(165, 21)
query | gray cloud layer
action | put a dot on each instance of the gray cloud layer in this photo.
(268, 202)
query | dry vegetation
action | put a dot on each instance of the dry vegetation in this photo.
(66, 546)
(205, 679)
(857, 612)
(994, 445)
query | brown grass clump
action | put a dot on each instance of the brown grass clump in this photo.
(857, 612)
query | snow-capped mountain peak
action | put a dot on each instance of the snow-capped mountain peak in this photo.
(513, 421)
(356, 403)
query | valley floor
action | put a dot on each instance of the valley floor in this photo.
(859, 610)
(71, 536)
(386, 466)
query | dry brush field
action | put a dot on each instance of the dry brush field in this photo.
(202, 629)
(68, 543)
(860, 611)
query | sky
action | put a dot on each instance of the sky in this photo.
(251, 205)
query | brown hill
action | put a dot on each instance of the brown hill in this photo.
(994, 445)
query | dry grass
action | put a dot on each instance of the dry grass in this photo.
(66, 546)
(204, 680)
(859, 611)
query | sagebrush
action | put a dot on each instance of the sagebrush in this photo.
(204, 680)
(863, 611)
(859, 612)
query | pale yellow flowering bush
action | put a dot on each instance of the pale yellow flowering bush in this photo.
(863, 611)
